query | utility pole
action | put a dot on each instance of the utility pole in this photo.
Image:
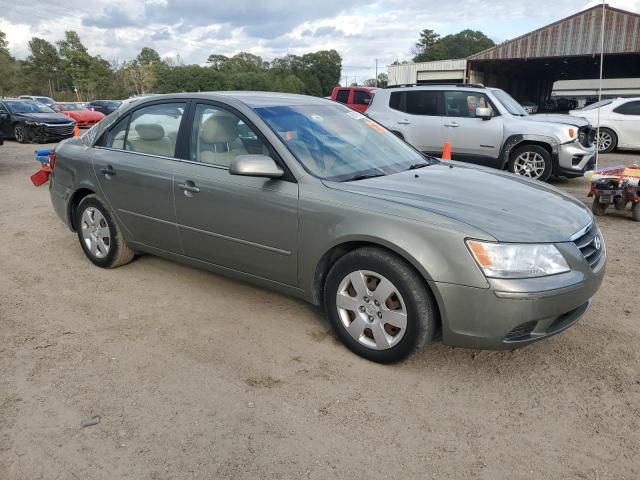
(600, 86)
(376, 73)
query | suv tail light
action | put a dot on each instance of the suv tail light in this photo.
(52, 159)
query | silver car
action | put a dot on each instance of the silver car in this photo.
(308, 197)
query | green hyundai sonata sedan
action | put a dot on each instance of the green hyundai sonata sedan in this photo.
(306, 196)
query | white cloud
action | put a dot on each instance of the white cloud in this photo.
(361, 30)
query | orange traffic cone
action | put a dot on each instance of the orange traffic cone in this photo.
(446, 151)
(76, 131)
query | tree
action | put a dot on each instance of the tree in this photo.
(43, 66)
(148, 56)
(422, 48)
(218, 62)
(8, 66)
(459, 45)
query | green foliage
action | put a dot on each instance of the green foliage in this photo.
(67, 71)
(431, 46)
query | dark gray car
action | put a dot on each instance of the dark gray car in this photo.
(308, 197)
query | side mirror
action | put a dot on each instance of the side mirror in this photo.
(255, 166)
(3, 115)
(483, 112)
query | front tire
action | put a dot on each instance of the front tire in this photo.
(20, 133)
(531, 161)
(99, 235)
(607, 141)
(379, 307)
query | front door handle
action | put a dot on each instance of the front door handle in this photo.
(108, 171)
(404, 122)
(189, 188)
(452, 125)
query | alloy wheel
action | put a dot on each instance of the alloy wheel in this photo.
(18, 133)
(95, 232)
(371, 309)
(529, 164)
(604, 140)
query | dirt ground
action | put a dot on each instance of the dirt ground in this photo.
(193, 375)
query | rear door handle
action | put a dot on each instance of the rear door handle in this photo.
(404, 122)
(108, 171)
(189, 188)
(452, 125)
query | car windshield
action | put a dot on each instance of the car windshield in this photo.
(508, 102)
(70, 107)
(27, 106)
(597, 104)
(45, 100)
(336, 143)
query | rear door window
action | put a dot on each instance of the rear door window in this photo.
(423, 102)
(361, 97)
(629, 108)
(343, 95)
(152, 130)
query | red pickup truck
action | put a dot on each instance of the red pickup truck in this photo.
(356, 97)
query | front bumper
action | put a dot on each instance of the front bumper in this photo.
(574, 159)
(513, 313)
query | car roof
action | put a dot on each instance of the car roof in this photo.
(249, 98)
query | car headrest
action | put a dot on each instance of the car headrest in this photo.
(150, 131)
(219, 128)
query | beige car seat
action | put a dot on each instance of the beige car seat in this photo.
(218, 140)
(151, 139)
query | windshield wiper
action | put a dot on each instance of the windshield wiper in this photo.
(419, 165)
(364, 177)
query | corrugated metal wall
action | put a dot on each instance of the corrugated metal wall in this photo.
(407, 73)
(575, 35)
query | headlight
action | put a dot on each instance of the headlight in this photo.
(32, 124)
(510, 260)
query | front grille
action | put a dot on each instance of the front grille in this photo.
(591, 245)
(62, 130)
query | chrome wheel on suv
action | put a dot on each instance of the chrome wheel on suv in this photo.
(19, 133)
(531, 161)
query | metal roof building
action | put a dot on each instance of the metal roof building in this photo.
(568, 49)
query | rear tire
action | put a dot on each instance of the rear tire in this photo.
(531, 161)
(99, 235)
(389, 323)
(598, 208)
(635, 211)
(607, 141)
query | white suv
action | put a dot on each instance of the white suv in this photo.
(486, 126)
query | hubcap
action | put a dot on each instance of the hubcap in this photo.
(371, 309)
(19, 134)
(604, 141)
(529, 164)
(95, 232)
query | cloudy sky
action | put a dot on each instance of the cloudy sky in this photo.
(361, 30)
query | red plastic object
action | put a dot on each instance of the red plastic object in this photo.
(42, 176)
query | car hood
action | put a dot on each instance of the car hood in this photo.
(507, 207)
(42, 117)
(558, 118)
